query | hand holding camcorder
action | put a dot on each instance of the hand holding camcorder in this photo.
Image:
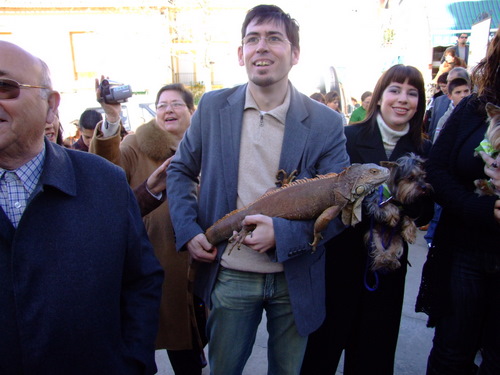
(113, 92)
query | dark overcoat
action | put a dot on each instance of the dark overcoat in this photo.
(79, 283)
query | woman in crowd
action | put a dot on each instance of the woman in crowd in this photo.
(144, 156)
(332, 100)
(460, 288)
(364, 307)
(451, 60)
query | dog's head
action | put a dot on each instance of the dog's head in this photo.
(407, 180)
(493, 132)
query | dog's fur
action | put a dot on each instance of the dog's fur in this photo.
(390, 225)
(484, 186)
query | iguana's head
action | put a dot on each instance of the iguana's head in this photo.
(362, 179)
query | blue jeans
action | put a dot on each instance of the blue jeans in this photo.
(238, 301)
(475, 319)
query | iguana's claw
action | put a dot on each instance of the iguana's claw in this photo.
(283, 178)
(237, 239)
(317, 237)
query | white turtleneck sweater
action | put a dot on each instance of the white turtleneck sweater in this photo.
(390, 136)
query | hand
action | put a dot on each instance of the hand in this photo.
(157, 181)
(492, 169)
(262, 237)
(112, 111)
(201, 250)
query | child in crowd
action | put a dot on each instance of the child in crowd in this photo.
(458, 89)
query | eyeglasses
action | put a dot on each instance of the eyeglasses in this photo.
(174, 105)
(272, 41)
(10, 89)
(463, 37)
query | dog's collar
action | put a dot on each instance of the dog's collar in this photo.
(385, 195)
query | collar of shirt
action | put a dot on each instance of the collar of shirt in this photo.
(29, 173)
(279, 113)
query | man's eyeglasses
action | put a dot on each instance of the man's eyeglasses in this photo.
(463, 37)
(273, 40)
(174, 105)
(10, 89)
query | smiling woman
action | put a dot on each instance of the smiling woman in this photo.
(398, 105)
(391, 129)
(144, 156)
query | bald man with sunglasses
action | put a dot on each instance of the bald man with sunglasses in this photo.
(79, 283)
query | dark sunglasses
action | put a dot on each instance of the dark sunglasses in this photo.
(10, 89)
(463, 37)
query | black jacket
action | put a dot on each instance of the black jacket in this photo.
(467, 220)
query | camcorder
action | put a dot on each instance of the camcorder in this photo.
(114, 92)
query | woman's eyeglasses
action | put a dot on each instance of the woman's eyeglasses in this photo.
(10, 89)
(162, 106)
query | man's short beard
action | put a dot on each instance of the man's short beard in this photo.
(263, 82)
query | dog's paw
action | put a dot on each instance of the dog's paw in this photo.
(391, 215)
(408, 230)
(385, 256)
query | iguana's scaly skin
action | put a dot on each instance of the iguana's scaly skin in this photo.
(321, 198)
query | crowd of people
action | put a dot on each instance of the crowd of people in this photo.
(104, 257)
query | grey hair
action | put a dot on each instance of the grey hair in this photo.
(45, 79)
(460, 72)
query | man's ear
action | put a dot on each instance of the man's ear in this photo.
(295, 55)
(240, 56)
(53, 101)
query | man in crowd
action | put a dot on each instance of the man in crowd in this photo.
(461, 48)
(457, 89)
(442, 103)
(87, 123)
(238, 139)
(79, 284)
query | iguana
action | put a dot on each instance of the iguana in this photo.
(321, 198)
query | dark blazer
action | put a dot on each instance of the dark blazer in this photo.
(79, 284)
(467, 221)
(466, 216)
(313, 144)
